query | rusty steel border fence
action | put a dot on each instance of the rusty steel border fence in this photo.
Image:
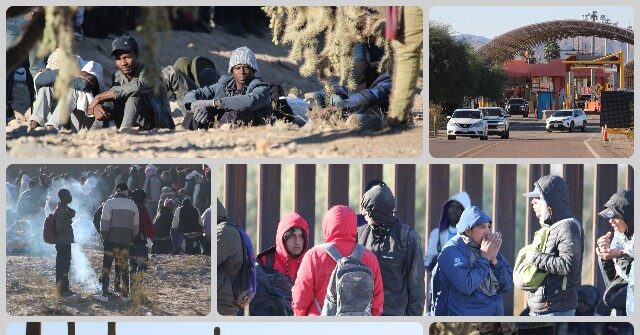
(505, 176)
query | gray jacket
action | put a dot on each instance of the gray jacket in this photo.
(141, 85)
(255, 100)
(64, 230)
(562, 257)
(120, 220)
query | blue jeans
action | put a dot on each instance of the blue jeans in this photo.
(571, 312)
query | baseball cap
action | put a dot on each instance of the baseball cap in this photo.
(609, 213)
(124, 43)
(533, 194)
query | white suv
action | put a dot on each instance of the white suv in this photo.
(467, 122)
(567, 119)
(498, 121)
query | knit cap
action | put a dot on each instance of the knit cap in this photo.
(243, 55)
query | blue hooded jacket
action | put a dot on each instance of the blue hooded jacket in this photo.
(457, 277)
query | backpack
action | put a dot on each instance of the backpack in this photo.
(527, 276)
(350, 288)
(244, 285)
(438, 296)
(49, 229)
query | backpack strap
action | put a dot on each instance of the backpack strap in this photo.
(357, 252)
(331, 249)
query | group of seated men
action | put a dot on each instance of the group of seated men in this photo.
(139, 97)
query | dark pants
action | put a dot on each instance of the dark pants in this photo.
(63, 265)
(138, 258)
(176, 241)
(161, 247)
(119, 253)
(192, 246)
(206, 245)
(127, 113)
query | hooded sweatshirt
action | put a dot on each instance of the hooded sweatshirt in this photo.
(468, 283)
(230, 256)
(283, 262)
(339, 228)
(439, 236)
(399, 253)
(562, 257)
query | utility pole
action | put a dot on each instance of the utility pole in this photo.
(34, 328)
(71, 328)
(111, 328)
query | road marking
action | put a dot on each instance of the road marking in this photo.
(475, 150)
(593, 152)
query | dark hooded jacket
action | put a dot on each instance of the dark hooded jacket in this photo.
(230, 257)
(398, 249)
(277, 271)
(616, 271)
(562, 257)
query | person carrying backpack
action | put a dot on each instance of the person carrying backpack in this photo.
(562, 255)
(398, 249)
(278, 267)
(471, 275)
(64, 237)
(230, 259)
(311, 287)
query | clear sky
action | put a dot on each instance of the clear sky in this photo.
(206, 328)
(491, 21)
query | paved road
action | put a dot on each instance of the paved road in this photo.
(528, 138)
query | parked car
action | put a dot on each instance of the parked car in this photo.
(518, 105)
(498, 121)
(567, 119)
(467, 122)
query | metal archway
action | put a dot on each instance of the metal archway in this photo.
(506, 46)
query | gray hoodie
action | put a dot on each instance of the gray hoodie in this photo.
(562, 257)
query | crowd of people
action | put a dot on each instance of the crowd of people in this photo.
(133, 100)
(135, 212)
(469, 275)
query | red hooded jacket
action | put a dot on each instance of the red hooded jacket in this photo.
(283, 263)
(339, 228)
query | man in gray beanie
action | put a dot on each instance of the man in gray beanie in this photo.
(398, 249)
(237, 98)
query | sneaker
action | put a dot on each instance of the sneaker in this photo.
(101, 297)
(126, 299)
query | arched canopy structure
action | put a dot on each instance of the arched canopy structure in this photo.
(507, 45)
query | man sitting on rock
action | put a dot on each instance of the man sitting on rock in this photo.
(238, 98)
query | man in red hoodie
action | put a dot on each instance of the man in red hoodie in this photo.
(339, 229)
(278, 268)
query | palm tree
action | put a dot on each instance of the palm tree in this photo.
(34, 328)
(111, 328)
(551, 49)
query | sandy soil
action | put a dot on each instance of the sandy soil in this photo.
(175, 285)
(281, 141)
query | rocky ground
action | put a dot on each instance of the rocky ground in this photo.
(174, 285)
(320, 139)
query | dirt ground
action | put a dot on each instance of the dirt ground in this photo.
(174, 285)
(317, 140)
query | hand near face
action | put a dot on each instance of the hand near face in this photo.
(604, 241)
